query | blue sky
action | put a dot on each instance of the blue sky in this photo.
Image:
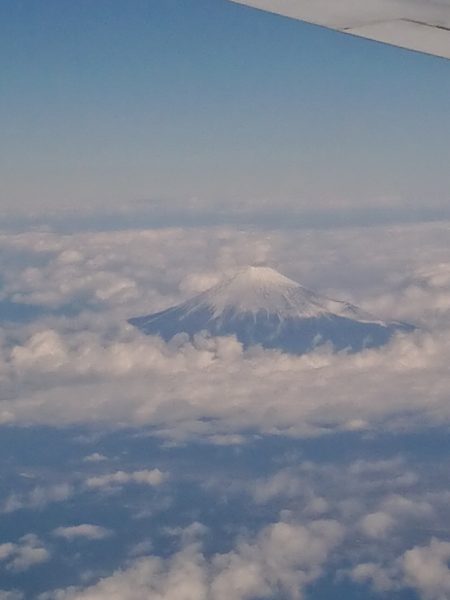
(109, 107)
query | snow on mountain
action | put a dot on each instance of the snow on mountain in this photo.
(261, 306)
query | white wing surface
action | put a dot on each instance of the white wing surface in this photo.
(421, 25)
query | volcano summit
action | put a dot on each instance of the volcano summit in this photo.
(261, 306)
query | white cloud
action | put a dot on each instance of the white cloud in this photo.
(379, 577)
(283, 482)
(38, 497)
(153, 478)
(94, 457)
(85, 530)
(294, 551)
(283, 557)
(401, 506)
(7, 550)
(217, 389)
(377, 524)
(394, 511)
(141, 548)
(426, 569)
(11, 595)
(366, 497)
(24, 554)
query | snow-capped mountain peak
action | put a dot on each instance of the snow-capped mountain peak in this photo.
(261, 306)
(251, 290)
(256, 289)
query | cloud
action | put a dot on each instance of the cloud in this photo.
(283, 557)
(394, 511)
(90, 532)
(379, 577)
(80, 363)
(153, 478)
(285, 483)
(38, 497)
(94, 457)
(377, 524)
(381, 510)
(150, 269)
(426, 569)
(239, 554)
(7, 550)
(109, 374)
(11, 595)
(26, 553)
(107, 381)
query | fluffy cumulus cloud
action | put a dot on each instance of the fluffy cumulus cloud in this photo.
(38, 497)
(87, 531)
(422, 568)
(24, 554)
(94, 457)
(384, 507)
(11, 595)
(282, 558)
(212, 387)
(152, 478)
(371, 521)
(426, 569)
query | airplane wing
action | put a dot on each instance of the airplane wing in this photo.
(421, 25)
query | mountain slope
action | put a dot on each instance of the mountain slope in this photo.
(260, 306)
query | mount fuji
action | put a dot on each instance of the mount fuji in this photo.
(263, 307)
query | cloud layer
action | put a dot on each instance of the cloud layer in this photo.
(68, 357)
(106, 372)
(282, 558)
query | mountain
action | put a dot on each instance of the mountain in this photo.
(261, 306)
